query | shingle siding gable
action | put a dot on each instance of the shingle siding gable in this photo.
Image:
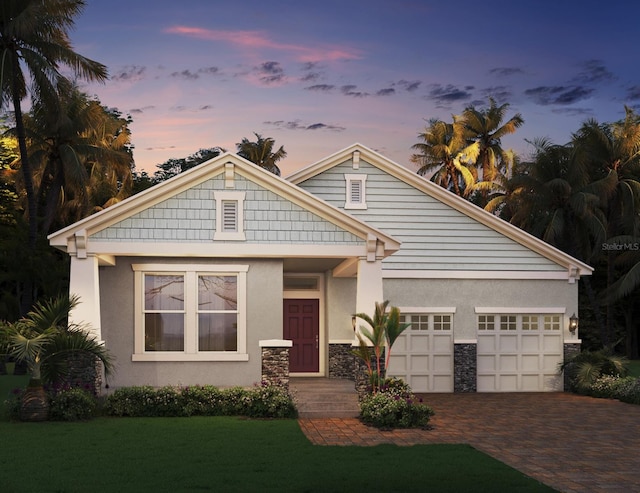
(190, 216)
(434, 236)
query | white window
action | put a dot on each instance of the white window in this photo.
(529, 322)
(229, 215)
(424, 322)
(189, 312)
(356, 191)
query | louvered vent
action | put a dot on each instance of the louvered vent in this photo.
(229, 215)
(356, 192)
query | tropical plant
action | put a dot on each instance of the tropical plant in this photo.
(34, 44)
(586, 367)
(45, 340)
(81, 158)
(261, 152)
(384, 328)
(444, 148)
(486, 128)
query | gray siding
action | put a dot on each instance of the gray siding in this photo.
(190, 216)
(434, 236)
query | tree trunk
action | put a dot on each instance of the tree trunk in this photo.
(35, 404)
(27, 293)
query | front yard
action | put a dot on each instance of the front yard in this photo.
(228, 454)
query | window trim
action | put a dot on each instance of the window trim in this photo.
(350, 180)
(222, 196)
(191, 273)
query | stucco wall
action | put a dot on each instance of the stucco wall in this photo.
(341, 304)
(465, 295)
(264, 291)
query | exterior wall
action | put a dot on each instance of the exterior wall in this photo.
(264, 291)
(434, 236)
(465, 369)
(466, 294)
(190, 216)
(340, 306)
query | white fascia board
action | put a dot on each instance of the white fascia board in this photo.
(475, 274)
(448, 198)
(229, 250)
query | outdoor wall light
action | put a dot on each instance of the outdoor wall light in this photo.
(353, 323)
(573, 323)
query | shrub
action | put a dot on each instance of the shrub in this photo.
(631, 392)
(588, 366)
(610, 387)
(264, 401)
(12, 404)
(394, 406)
(74, 404)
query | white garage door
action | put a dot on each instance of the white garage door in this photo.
(519, 353)
(423, 355)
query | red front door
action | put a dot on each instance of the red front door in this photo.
(302, 326)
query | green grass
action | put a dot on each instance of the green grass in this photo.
(229, 454)
(634, 368)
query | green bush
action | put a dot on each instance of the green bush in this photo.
(631, 393)
(262, 401)
(72, 404)
(12, 404)
(394, 406)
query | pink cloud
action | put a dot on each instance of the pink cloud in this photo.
(258, 40)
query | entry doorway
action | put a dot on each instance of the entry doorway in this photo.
(302, 326)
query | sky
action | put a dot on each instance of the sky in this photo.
(320, 76)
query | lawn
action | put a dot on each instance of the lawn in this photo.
(229, 454)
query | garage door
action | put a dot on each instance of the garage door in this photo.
(519, 353)
(423, 355)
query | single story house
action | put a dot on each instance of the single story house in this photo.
(188, 282)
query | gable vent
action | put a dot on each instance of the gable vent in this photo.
(229, 215)
(356, 192)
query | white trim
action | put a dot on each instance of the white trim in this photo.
(180, 356)
(190, 352)
(232, 250)
(340, 341)
(424, 309)
(520, 310)
(275, 343)
(465, 341)
(572, 341)
(474, 274)
(351, 179)
(220, 197)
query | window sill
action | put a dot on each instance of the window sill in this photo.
(177, 356)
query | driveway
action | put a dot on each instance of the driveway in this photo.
(571, 443)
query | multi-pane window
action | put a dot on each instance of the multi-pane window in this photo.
(423, 322)
(552, 322)
(164, 313)
(217, 313)
(190, 312)
(511, 322)
(486, 322)
(507, 322)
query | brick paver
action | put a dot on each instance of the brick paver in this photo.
(571, 443)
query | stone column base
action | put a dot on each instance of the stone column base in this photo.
(465, 366)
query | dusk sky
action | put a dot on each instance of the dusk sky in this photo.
(319, 76)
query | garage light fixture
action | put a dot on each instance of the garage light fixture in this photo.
(573, 323)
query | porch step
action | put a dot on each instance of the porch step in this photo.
(324, 397)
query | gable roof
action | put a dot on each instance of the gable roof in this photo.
(575, 267)
(224, 163)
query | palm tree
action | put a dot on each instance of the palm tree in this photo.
(486, 127)
(45, 341)
(444, 149)
(34, 44)
(81, 158)
(613, 151)
(261, 152)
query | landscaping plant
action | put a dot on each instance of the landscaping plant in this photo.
(45, 340)
(385, 328)
(586, 367)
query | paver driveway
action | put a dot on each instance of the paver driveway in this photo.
(571, 443)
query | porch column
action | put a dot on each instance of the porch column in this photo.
(85, 282)
(368, 285)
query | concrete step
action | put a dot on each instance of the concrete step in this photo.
(325, 398)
